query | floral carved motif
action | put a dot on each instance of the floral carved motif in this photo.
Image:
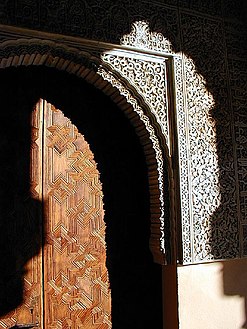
(149, 78)
(141, 37)
(203, 166)
(183, 162)
(211, 160)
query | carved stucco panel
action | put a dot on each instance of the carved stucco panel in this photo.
(237, 65)
(197, 150)
(185, 191)
(203, 160)
(156, 145)
(142, 38)
(149, 77)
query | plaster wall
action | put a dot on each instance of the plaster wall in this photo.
(213, 295)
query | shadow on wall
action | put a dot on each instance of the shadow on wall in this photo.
(134, 279)
(234, 280)
(218, 49)
(20, 212)
(219, 52)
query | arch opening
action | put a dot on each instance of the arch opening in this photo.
(124, 175)
(35, 52)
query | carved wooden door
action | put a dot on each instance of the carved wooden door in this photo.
(66, 283)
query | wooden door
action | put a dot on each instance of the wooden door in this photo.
(66, 284)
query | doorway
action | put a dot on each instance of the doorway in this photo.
(66, 284)
(135, 281)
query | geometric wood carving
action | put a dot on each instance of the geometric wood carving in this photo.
(66, 285)
(76, 285)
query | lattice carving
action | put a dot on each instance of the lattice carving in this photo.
(199, 172)
(195, 170)
(149, 78)
(214, 224)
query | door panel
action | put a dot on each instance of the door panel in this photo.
(66, 283)
(76, 287)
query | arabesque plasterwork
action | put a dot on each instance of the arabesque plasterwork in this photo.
(145, 60)
(203, 169)
(197, 147)
(142, 38)
(156, 145)
(149, 77)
